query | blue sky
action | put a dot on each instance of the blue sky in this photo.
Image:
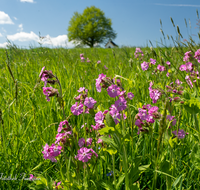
(135, 22)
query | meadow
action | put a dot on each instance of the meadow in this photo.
(150, 142)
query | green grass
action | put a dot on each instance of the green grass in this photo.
(29, 121)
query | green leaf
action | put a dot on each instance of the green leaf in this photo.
(192, 105)
(120, 181)
(110, 150)
(109, 140)
(109, 120)
(106, 130)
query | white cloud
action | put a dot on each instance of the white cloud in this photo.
(28, 1)
(1, 35)
(23, 36)
(20, 27)
(3, 45)
(59, 41)
(5, 19)
(15, 18)
(177, 5)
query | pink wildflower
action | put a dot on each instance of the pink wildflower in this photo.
(32, 177)
(89, 102)
(84, 154)
(98, 82)
(99, 117)
(130, 95)
(181, 133)
(113, 91)
(77, 109)
(144, 66)
(121, 104)
(160, 67)
(152, 61)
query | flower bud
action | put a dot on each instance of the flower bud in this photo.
(180, 92)
(177, 99)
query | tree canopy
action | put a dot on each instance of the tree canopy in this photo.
(91, 27)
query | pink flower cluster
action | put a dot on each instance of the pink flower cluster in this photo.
(144, 66)
(85, 154)
(181, 134)
(138, 51)
(187, 67)
(172, 120)
(100, 81)
(61, 137)
(82, 57)
(187, 56)
(197, 55)
(176, 89)
(154, 93)
(161, 68)
(89, 102)
(48, 91)
(45, 75)
(145, 117)
(51, 152)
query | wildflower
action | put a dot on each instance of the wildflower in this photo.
(181, 133)
(83, 125)
(82, 59)
(97, 126)
(98, 82)
(99, 117)
(172, 118)
(61, 125)
(144, 66)
(153, 110)
(98, 62)
(49, 92)
(168, 63)
(58, 186)
(115, 114)
(81, 89)
(187, 56)
(197, 55)
(122, 93)
(99, 141)
(32, 177)
(89, 141)
(88, 60)
(84, 154)
(137, 51)
(187, 78)
(45, 75)
(106, 68)
(110, 173)
(77, 109)
(51, 152)
(167, 74)
(113, 91)
(178, 82)
(89, 102)
(130, 95)
(160, 67)
(121, 104)
(55, 150)
(152, 61)
(59, 137)
(81, 142)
